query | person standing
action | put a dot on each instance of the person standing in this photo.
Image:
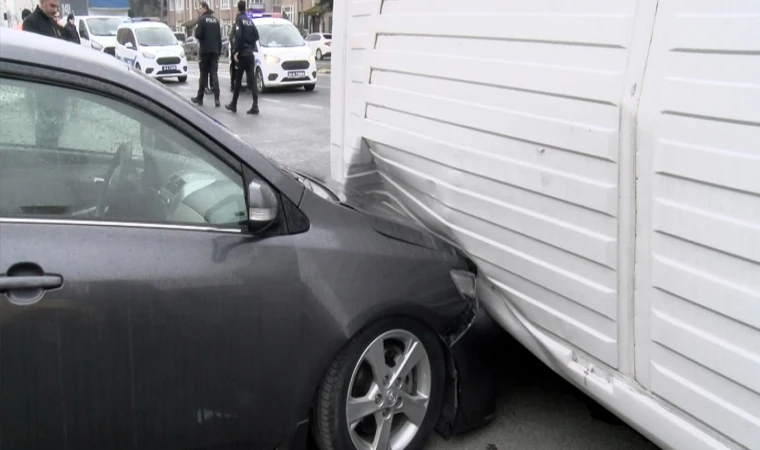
(70, 29)
(246, 36)
(24, 14)
(42, 20)
(50, 114)
(209, 35)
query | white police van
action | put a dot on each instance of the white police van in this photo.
(283, 58)
(151, 48)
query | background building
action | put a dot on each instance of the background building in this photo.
(182, 14)
(310, 16)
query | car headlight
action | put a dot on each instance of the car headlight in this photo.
(271, 59)
(148, 55)
(312, 59)
(96, 45)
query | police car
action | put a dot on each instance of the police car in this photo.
(283, 58)
(151, 47)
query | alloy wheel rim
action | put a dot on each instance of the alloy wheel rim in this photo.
(260, 80)
(389, 393)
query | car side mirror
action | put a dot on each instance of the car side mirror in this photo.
(129, 46)
(262, 206)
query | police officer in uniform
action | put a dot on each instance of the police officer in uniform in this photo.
(209, 35)
(246, 36)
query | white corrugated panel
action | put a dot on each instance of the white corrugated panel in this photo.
(698, 236)
(618, 240)
(502, 124)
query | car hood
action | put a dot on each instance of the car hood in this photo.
(105, 41)
(287, 53)
(164, 50)
(383, 214)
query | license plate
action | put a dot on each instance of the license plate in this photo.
(297, 74)
(168, 68)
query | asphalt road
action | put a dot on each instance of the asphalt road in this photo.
(536, 409)
(292, 129)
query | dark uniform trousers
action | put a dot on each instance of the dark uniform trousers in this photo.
(247, 64)
(209, 65)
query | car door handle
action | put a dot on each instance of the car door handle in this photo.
(30, 282)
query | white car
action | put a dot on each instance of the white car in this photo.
(99, 32)
(151, 48)
(320, 44)
(283, 59)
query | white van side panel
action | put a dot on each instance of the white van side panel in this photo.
(613, 215)
(698, 238)
(508, 135)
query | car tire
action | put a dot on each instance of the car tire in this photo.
(351, 376)
(260, 86)
(182, 79)
(319, 55)
(310, 87)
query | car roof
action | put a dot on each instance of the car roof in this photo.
(33, 49)
(102, 17)
(271, 21)
(145, 25)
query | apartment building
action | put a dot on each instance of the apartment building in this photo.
(182, 13)
(308, 15)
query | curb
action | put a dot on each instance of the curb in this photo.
(324, 71)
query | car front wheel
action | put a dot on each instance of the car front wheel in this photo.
(260, 80)
(310, 87)
(384, 390)
(182, 79)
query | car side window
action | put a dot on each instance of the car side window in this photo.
(74, 155)
(120, 36)
(131, 38)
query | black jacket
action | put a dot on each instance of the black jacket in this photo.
(70, 33)
(39, 22)
(246, 35)
(209, 34)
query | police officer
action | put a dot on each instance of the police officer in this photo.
(246, 36)
(209, 35)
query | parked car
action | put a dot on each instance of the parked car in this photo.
(320, 44)
(284, 59)
(151, 48)
(165, 286)
(99, 32)
(191, 47)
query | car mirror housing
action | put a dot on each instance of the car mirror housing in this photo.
(262, 206)
(129, 46)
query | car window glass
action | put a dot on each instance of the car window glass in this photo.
(328, 36)
(71, 155)
(82, 27)
(131, 38)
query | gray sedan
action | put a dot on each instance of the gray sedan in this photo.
(165, 286)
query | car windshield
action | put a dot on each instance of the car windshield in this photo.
(155, 36)
(105, 26)
(279, 36)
